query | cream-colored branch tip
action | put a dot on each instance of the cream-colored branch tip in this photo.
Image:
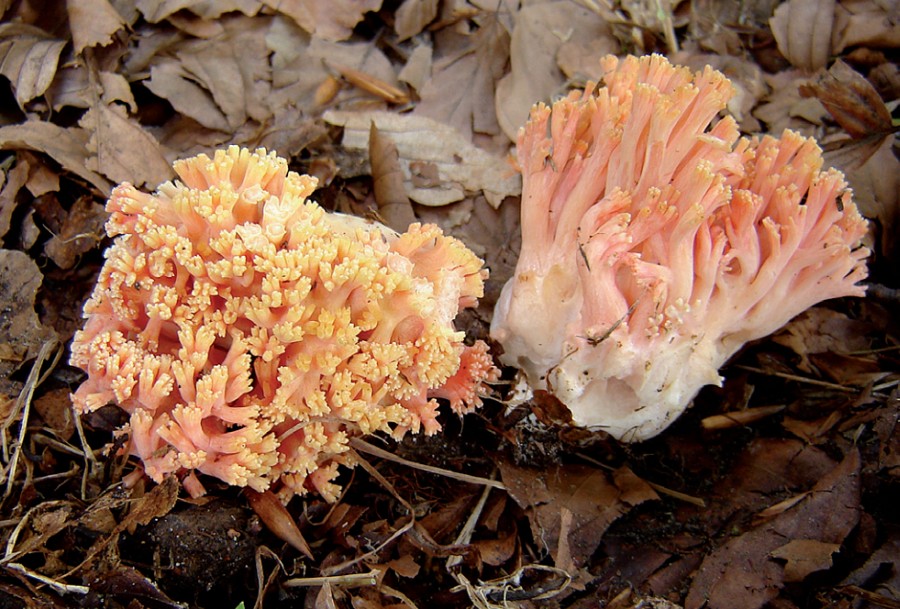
(249, 334)
(655, 243)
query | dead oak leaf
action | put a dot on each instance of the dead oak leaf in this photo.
(92, 23)
(221, 82)
(851, 100)
(329, 19)
(743, 573)
(155, 11)
(425, 145)
(462, 86)
(804, 556)
(28, 58)
(570, 507)
(66, 146)
(122, 150)
(803, 31)
(81, 231)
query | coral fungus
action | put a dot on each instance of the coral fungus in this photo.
(655, 243)
(249, 334)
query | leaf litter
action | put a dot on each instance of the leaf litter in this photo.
(408, 110)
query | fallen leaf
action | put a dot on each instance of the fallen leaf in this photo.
(387, 182)
(28, 58)
(539, 32)
(15, 180)
(805, 556)
(866, 23)
(65, 146)
(851, 100)
(412, 16)
(92, 23)
(123, 150)
(277, 519)
(571, 506)
(803, 30)
(155, 11)
(81, 231)
(820, 330)
(329, 19)
(21, 332)
(461, 90)
(742, 573)
(461, 167)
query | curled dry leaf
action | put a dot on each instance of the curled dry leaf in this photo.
(851, 100)
(390, 195)
(413, 16)
(461, 166)
(28, 58)
(803, 29)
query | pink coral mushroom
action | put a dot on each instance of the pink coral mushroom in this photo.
(249, 334)
(654, 245)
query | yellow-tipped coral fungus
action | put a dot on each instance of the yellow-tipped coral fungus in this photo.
(249, 334)
(655, 243)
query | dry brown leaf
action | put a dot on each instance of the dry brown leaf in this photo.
(851, 100)
(412, 17)
(115, 88)
(169, 80)
(742, 573)
(819, 330)
(784, 108)
(41, 178)
(461, 167)
(28, 58)
(155, 11)
(804, 556)
(417, 69)
(81, 231)
(15, 179)
(92, 23)
(387, 182)
(329, 19)
(460, 92)
(21, 332)
(867, 23)
(66, 146)
(570, 507)
(876, 190)
(803, 30)
(539, 32)
(277, 519)
(123, 150)
(219, 83)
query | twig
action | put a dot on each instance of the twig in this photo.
(349, 580)
(58, 586)
(23, 405)
(465, 535)
(800, 379)
(396, 535)
(365, 447)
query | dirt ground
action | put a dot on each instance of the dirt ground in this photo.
(777, 490)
